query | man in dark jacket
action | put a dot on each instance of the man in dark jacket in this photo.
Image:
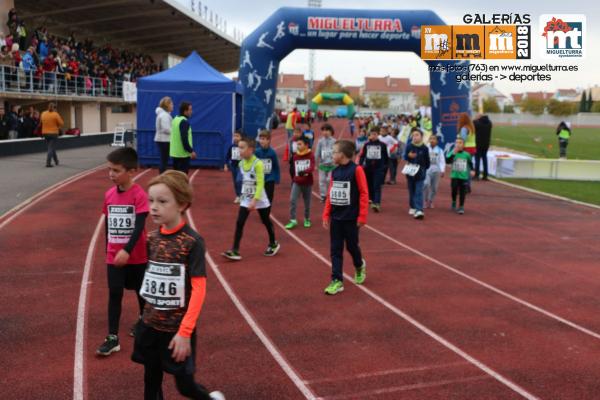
(483, 135)
(4, 124)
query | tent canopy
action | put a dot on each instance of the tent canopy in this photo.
(191, 75)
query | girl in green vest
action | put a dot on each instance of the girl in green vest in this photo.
(563, 131)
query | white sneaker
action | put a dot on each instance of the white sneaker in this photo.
(412, 211)
(237, 200)
(419, 214)
(216, 395)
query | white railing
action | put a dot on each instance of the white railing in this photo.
(17, 80)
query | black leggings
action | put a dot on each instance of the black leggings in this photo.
(459, 186)
(187, 387)
(241, 221)
(115, 297)
(163, 147)
(127, 277)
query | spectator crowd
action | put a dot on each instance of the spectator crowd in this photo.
(40, 61)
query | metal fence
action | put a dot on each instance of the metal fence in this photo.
(17, 80)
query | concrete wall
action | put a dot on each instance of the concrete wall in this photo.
(113, 119)
(90, 117)
(578, 120)
(5, 6)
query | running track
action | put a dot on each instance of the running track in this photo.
(500, 303)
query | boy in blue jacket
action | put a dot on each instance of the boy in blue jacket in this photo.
(417, 157)
(267, 155)
(374, 159)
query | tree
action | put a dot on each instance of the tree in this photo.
(379, 101)
(424, 100)
(533, 106)
(582, 103)
(590, 102)
(595, 108)
(490, 105)
(559, 108)
(508, 109)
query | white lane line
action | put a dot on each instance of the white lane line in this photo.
(488, 286)
(24, 205)
(256, 328)
(79, 364)
(404, 388)
(388, 372)
(500, 378)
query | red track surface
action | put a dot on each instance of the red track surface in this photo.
(495, 283)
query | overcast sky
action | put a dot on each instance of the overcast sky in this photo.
(349, 67)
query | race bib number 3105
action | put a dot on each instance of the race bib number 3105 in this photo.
(164, 285)
(121, 221)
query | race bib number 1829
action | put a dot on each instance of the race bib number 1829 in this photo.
(121, 221)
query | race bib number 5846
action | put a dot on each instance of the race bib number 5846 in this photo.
(164, 285)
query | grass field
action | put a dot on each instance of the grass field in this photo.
(542, 141)
(588, 192)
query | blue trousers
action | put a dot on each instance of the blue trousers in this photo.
(415, 193)
(375, 180)
(237, 185)
(340, 232)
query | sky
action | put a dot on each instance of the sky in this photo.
(350, 67)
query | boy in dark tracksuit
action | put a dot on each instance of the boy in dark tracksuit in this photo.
(374, 159)
(233, 161)
(416, 153)
(346, 209)
(267, 155)
(462, 168)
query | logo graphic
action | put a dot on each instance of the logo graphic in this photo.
(563, 35)
(293, 28)
(468, 42)
(475, 42)
(415, 32)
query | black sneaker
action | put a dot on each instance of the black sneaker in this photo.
(232, 255)
(133, 328)
(110, 345)
(272, 249)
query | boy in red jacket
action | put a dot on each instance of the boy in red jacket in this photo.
(302, 166)
(346, 209)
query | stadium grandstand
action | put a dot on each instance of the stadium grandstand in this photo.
(86, 56)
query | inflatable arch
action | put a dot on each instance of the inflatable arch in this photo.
(337, 29)
(343, 97)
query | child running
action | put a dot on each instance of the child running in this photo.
(437, 168)
(324, 159)
(267, 155)
(374, 158)
(417, 157)
(233, 161)
(174, 288)
(462, 169)
(254, 197)
(301, 168)
(345, 212)
(125, 209)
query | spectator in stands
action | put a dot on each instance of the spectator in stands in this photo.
(13, 122)
(29, 66)
(49, 72)
(2, 39)
(4, 123)
(22, 34)
(6, 62)
(163, 131)
(51, 125)
(29, 124)
(483, 135)
(16, 54)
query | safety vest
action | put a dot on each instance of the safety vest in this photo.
(564, 134)
(176, 146)
(470, 141)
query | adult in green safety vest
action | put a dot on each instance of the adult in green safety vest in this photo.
(563, 131)
(181, 148)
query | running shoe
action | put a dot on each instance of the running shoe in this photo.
(237, 200)
(232, 255)
(377, 207)
(323, 198)
(361, 273)
(110, 345)
(292, 224)
(134, 327)
(272, 249)
(334, 287)
(412, 211)
(307, 223)
(216, 395)
(419, 214)
(460, 211)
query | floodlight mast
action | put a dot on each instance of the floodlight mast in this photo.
(311, 56)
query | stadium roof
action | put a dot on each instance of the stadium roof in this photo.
(147, 26)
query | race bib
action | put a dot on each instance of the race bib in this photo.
(339, 195)
(433, 158)
(248, 189)
(235, 153)
(164, 285)
(326, 154)
(121, 221)
(267, 165)
(411, 169)
(301, 166)
(460, 165)
(373, 152)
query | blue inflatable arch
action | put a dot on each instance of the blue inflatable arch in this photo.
(336, 29)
